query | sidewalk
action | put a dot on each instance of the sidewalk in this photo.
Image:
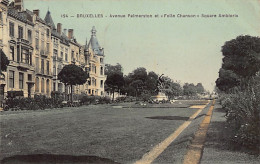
(216, 148)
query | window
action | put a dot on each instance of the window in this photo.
(89, 91)
(37, 64)
(48, 86)
(11, 79)
(54, 86)
(72, 56)
(101, 83)
(12, 52)
(29, 77)
(37, 43)
(55, 52)
(48, 47)
(61, 55)
(20, 32)
(54, 70)
(30, 58)
(101, 70)
(101, 60)
(18, 53)
(42, 45)
(20, 80)
(11, 29)
(37, 40)
(37, 84)
(48, 32)
(25, 56)
(95, 69)
(48, 67)
(66, 57)
(42, 66)
(30, 35)
(42, 85)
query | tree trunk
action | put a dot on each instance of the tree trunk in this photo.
(113, 95)
(71, 93)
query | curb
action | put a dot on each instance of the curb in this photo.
(195, 149)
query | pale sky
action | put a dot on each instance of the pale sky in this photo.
(185, 49)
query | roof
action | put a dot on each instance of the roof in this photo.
(22, 16)
(48, 20)
(93, 43)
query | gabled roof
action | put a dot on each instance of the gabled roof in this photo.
(93, 43)
(48, 20)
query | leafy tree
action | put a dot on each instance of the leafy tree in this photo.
(138, 85)
(227, 80)
(115, 82)
(73, 75)
(139, 74)
(151, 83)
(136, 80)
(199, 88)
(189, 89)
(111, 69)
(242, 55)
(172, 88)
(4, 62)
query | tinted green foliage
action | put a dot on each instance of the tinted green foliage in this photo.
(72, 75)
(4, 61)
(241, 61)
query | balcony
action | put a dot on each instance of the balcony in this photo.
(24, 66)
(59, 59)
(23, 41)
(43, 53)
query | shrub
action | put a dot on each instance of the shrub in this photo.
(243, 107)
(38, 102)
(145, 97)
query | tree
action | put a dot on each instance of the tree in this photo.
(137, 85)
(140, 74)
(241, 62)
(189, 89)
(110, 69)
(227, 80)
(135, 81)
(115, 82)
(172, 88)
(151, 83)
(4, 62)
(199, 88)
(72, 75)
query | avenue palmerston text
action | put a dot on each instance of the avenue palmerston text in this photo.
(150, 16)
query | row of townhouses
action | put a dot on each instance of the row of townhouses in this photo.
(38, 50)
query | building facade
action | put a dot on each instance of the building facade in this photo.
(38, 50)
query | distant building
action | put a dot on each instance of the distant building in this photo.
(38, 50)
(95, 65)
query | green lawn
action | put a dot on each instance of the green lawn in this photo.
(121, 135)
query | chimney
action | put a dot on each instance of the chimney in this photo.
(59, 25)
(36, 12)
(18, 5)
(70, 34)
(65, 31)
